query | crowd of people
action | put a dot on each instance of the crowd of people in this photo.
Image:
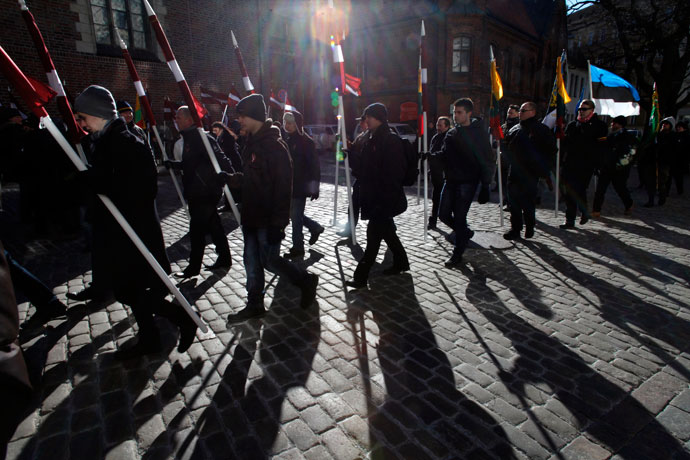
(272, 170)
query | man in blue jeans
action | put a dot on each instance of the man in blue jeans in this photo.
(266, 183)
(468, 160)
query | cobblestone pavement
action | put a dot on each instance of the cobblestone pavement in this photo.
(572, 345)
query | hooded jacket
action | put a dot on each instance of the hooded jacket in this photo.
(467, 154)
(305, 165)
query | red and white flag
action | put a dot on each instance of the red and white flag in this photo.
(233, 97)
(212, 97)
(352, 84)
(275, 103)
(34, 93)
(169, 109)
(288, 107)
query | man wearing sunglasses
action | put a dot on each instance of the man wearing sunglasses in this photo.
(584, 139)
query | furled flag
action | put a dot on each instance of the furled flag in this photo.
(352, 84)
(208, 96)
(559, 97)
(34, 93)
(200, 108)
(496, 95)
(612, 94)
(138, 114)
(654, 116)
(233, 96)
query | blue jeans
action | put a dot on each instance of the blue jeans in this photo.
(299, 220)
(456, 200)
(259, 254)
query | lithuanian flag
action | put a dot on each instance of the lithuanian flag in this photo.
(496, 95)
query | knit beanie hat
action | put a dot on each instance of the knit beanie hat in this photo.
(123, 106)
(253, 106)
(97, 101)
(376, 110)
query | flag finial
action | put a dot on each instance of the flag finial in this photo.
(234, 40)
(149, 10)
(22, 5)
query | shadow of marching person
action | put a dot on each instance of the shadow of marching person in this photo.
(247, 421)
(596, 406)
(423, 415)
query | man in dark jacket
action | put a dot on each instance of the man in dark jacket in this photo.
(124, 110)
(615, 167)
(583, 143)
(512, 119)
(382, 166)
(665, 153)
(354, 152)
(123, 169)
(228, 143)
(202, 189)
(531, 146)
(468, 159)
(436, 167)
(266, 183)
(306, 177)
(682, 154)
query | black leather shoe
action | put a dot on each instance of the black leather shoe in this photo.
(396, 270)
(248, 312)
(220, 264)
(315, 235)
(584, 219)
(529, 233)
(356, 284)
(512, 235)
(567, 225)
(294, 253)
(309, 290)
(454, 261)
(185, 274)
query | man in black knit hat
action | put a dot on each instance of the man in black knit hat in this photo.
(124, 110)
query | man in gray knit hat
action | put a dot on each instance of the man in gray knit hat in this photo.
(123, 169)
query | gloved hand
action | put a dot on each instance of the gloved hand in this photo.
(275, 235)
(484, 195)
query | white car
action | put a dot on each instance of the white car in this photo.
(401, 129)
(323, 136)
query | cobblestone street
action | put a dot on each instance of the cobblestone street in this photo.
(572, 345)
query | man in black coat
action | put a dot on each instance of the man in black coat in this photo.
(512, 119)
(583, 144)
(436, 168)
(228, 142)
(124, 110)
(468, 160)
(202, 189)
(615, 168)
(531, 147)
(123, 169)
(266, 183)
(306, 178)
(382, 166)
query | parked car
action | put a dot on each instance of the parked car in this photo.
(401, 129)
(323, 136)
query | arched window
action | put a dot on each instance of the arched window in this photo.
(130, 20)
(461, 54)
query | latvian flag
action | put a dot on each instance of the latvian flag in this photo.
(288, 107)
(352, 84)
(212, 97)
(612, 94)
(275, 103)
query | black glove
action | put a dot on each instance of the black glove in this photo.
(483, 195)
(275, 235)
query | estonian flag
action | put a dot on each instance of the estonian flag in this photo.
(612, 94)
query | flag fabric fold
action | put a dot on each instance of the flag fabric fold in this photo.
(352, 85)
(612, 94)
(208, 96)
(275, 103)
(496, 95)
(34, 94)
(559, 97)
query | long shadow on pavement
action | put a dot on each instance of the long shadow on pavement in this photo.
(600, 408)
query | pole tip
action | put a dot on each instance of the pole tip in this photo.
(149, 10)
(22, 5)
(234, 40)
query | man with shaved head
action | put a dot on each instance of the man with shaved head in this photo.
(531, 148)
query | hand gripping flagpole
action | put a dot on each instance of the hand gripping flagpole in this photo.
(189, 99)
(143, 97)
(248, 87)
(15, 76)
(339, 59)
(75, 132)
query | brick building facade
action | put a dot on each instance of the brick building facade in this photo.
(283, 47)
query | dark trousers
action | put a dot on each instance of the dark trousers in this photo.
(25, 282)
(675, 175)
(435, 199)
(259, 254)
(205, 220)
(522, 195)
(576, 183)
(152, 302)
(456, 200)
(299, 220)
(380, 229)
(619, 179)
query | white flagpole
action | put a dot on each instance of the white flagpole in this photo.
(558, 175)
(426, 176)
(55, 132)
(343, 140)
(419, 167)
(172, 173)
(500, 180)
(216, 167)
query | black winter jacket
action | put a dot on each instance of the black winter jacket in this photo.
(381, 169)
(619, 150)
(531, 150)
(467, 154)
(306, 171)
(584, 145)
(199, 177)
(435, 163)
